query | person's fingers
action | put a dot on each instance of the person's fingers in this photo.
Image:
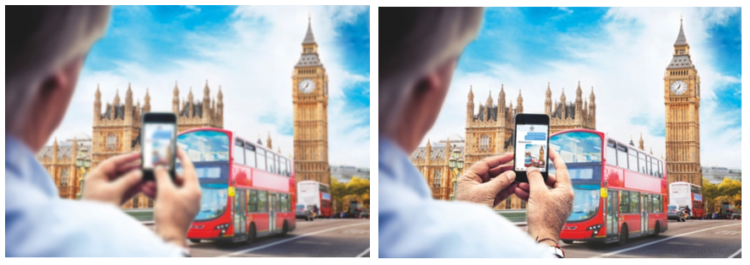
(130, 180)
(551, 180)
(499, 170)
(189, 176)
(127, 167)
(561, 170)
(109, 166)
(521, 193)
(505, 193)
(163, 181)
(149, 189)
(495, 161)
(536, 181)
(524, 186)
(501, 182)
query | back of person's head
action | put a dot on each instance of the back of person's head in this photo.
(414, 41)
(40, 40)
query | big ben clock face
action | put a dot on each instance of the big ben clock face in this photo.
(306, 86)
(678, 87)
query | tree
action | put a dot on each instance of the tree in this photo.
(357, 189)
(710, 193)
(730, 187)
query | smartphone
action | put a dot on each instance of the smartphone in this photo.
(531, 142)
(158, 143)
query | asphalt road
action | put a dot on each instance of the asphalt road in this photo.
(319, 238)
(691, 239)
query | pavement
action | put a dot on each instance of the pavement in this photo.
(318, 238)
(691, 239)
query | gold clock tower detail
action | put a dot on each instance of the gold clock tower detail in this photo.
(682, 86)
(310, 100)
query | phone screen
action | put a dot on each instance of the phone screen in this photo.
(531, 147)
(158, 145)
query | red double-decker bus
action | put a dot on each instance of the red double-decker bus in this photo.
(247, 190)
(685, 194)
(620, 191)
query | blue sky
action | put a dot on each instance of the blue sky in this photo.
(622, 53)
(249, 51)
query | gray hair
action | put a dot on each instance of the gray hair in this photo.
(414, 41)
(40, 40)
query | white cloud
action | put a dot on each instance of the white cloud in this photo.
(254, 67)
(626, 70)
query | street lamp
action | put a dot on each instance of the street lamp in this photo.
(456, 164)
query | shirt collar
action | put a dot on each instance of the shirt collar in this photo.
(394, 166)
(21, 165)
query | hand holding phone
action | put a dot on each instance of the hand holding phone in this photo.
(531, 142)
(158, 143)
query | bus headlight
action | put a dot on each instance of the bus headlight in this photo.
(594, 228)
(222, 226)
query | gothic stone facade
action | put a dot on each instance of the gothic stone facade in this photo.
(682, 86)
(433, 164)
(116, 130)
(60, 161)
(310, 101)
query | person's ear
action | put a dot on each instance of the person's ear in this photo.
(57, 81)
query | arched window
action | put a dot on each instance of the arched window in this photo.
(111, 141)
(484, 142)
(437, 178)
(64, 176)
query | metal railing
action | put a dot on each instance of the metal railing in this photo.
(515, 216)
(143, 215)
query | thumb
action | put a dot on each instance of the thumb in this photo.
(536, 181)
(129, 180)
(163, 181)
(501, 182)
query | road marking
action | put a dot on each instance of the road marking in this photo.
(735, 254)
(368, 250)
(657, 241)
(289, 239)
(727, 232)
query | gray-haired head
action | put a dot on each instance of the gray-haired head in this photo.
(414, 41)
(40, 40)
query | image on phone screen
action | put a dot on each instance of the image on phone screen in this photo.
(531, 146)
(158, 144)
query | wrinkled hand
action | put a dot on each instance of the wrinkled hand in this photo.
(115, 180)
(177, 202)
(488, 181)
(548, 209)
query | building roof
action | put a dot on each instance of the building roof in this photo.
(681, 61)
(309, 37)
(196, 111)
(309, 59)
(681, 40)
(64, 150)
(437, 152)
(570, 111)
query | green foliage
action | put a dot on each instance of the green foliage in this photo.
(357, 189)
(729, 190)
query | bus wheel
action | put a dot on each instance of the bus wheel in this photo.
(568, 241)
(285, 229)
(623, 235)
(196, 241)
(658, 229)
(251, 234)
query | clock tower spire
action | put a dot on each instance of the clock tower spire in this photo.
(682, 114)
(310, 102)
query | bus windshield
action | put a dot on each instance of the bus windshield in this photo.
(585, 202)
(205, 146)
(582, 153)
(213, 201)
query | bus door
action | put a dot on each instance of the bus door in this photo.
(272, 212)
(644, 214)
(612, 213)
(240, 212)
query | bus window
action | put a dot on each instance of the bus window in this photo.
(269, 159)
(622, 156)
(648, 166)
(261, 158)
(262, 201)
(250, 155)
(654, 168)
(611, 153)
(642, 163)
(204, 146)
(239, 151)
(695, 189)
(661, 174)
(283, 165)
(633, 165)
(252, 201)
(289, 166)
(635, 206)
(624, 201)
(655, 205)
(278, 165)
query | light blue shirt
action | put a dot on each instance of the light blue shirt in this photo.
(40, 224)
(412, 224)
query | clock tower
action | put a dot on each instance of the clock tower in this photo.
(682, 86)
(310, 100)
